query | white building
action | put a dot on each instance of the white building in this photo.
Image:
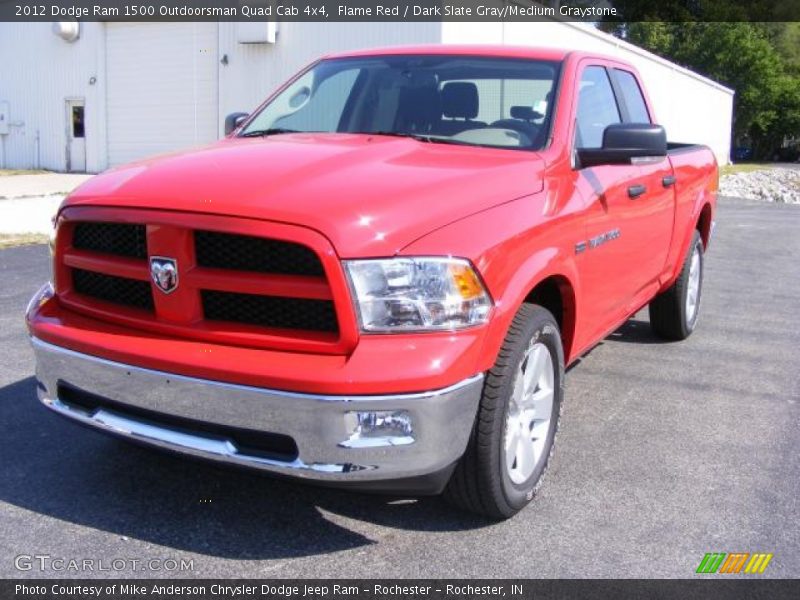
(121, 91)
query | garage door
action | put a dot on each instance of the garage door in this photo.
(162, 87)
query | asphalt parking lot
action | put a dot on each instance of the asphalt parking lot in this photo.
(667, 451)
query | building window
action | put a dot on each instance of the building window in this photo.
(78, 130)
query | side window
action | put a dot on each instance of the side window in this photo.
(632, 95)
(597, 107)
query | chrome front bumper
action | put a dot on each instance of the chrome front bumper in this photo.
(322, 427)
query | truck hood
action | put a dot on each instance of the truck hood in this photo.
(369, 195)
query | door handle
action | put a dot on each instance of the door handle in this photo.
(668, 180)
(637, 190)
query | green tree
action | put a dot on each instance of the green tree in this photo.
(786, 39)
(760, 61)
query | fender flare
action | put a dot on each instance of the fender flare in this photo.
(548, 263)
(705, 201)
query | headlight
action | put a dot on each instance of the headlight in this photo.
(41, 297)
(417, 294)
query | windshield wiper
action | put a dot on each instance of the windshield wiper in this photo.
(443, 140)
(421, 137)
(270, 131)
(389, 133)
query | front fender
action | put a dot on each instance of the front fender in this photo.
(514, 246)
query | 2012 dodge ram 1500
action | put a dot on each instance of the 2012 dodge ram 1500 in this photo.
(377, 279)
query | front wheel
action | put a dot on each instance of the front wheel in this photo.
(515, 429)
(674, 312)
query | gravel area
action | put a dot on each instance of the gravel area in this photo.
(770, 185)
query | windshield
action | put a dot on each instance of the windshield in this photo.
(498, 102)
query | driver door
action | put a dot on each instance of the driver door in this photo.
(609, 257)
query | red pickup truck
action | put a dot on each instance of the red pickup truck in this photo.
(377, 278)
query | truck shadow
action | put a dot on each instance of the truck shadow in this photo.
(635, 331)
(54, 468)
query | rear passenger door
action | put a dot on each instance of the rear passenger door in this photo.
(654, 208)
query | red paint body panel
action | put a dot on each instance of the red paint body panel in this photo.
(516, 215)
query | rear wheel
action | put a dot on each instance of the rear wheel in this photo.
(674, 312)
(514, 432)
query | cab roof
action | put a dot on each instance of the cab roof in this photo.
(497, 50)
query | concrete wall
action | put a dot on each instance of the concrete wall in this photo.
(692, 108)
(38, 71)
(162, 88)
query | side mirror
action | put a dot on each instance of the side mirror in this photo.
(623, 142)
(233, 120)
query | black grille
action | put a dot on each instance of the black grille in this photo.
(270, 311)
(111, 238)
(247, 253)
(119, 290)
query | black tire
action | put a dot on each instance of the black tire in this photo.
(668, 311)
(481, 482)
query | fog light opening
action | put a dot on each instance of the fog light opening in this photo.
(372, 429)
